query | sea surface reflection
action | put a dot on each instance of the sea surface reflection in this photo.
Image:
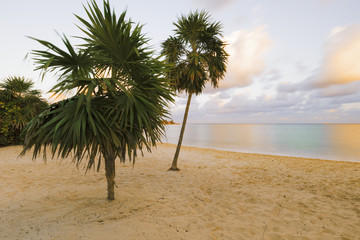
(325, 141)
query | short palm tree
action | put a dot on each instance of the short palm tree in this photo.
(23, 103)
(197, 56)
(121, 96)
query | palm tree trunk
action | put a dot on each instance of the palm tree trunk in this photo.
(110, 175)
(174, 163)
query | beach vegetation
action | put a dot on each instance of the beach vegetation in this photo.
(19, 103)
(116, 94)
(197, 56)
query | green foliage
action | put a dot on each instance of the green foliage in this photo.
(9, 135)
(196, 53)
(121, 96)
(19, 103)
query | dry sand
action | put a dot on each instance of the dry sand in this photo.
(216, 195)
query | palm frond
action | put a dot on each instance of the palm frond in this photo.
(196, 53)
(121, 95)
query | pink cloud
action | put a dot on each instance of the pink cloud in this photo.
(341, 63)
(246, 49)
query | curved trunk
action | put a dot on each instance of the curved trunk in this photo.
(110, 175)
(174, 163)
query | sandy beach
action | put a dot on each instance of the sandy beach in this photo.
(216, 195)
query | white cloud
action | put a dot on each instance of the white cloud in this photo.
(341, 63)
(246, 49)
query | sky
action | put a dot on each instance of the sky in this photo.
(291, 61)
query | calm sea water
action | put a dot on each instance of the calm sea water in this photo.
(325, 141)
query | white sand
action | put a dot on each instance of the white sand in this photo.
(216, 195)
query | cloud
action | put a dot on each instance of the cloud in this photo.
(300, 67)
(331, 104)
(234, 105)
(339, 72)
(286, 87)
(270, 75)
(339, 68)
(340, 90)
(246, 49)
(329, 93)
(341, 64)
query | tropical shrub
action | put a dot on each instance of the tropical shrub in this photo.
(19, 103)
(121, 95)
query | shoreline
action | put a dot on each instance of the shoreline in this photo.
(265, 154)
(216, 195)
(227, 150)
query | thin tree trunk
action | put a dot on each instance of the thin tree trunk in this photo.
(110, 175)
(174, 163)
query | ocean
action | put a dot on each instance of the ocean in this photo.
(339, 142)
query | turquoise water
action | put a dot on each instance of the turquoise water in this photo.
(325, 141)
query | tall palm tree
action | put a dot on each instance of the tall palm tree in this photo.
(197, 56)
(121, 96)
(23, 103)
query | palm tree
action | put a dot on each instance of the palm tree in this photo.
(20, 103)
(121, 96)
(197, 56)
